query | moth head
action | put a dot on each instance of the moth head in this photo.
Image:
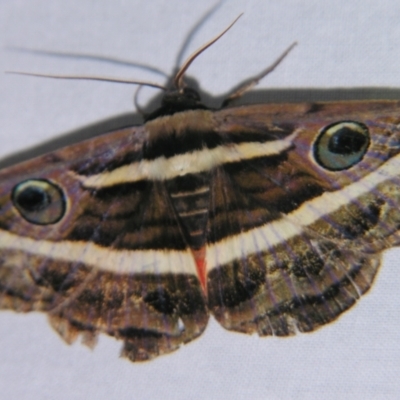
(341, 145)
(177, 101)
(39, 201)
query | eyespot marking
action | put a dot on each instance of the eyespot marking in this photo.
(341, 145)
(39, 201)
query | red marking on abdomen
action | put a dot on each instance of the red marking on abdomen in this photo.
(200, 258)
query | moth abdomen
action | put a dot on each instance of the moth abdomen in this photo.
(190, 198)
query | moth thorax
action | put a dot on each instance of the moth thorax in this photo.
(190, 198)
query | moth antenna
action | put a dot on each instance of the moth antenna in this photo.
(193, 32)
(91, 78)
(136, 101)
(178, 80)
(251, 82)
(92, 57)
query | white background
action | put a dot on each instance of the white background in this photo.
(341, 44)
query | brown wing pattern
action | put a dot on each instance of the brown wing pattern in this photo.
(306, 241)
(116, 263)
(287, 240)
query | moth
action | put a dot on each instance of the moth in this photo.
(271, 218)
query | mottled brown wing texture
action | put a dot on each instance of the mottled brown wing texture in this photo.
(295, 238)
(115, 261)
(272, 218)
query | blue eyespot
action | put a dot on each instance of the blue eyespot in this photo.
(39, 201)
(341, 145)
